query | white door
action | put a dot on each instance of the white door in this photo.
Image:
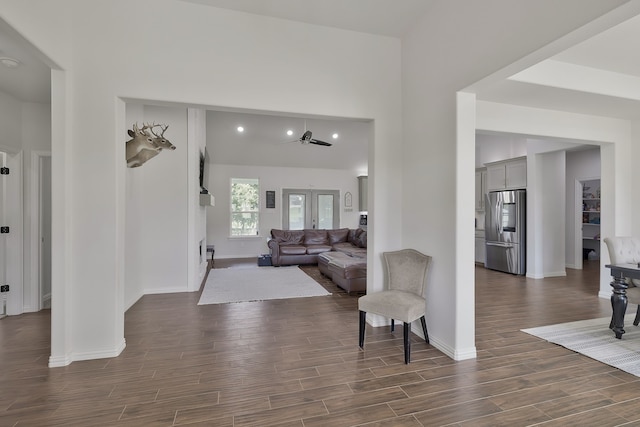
(308, 209)
(3, 235)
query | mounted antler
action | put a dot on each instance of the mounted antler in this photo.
(145, 144)
(163, 127)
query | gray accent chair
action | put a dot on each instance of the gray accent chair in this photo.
(626, 250)
(404, 296)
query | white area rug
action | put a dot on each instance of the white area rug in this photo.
(594, 339)
(257, 284)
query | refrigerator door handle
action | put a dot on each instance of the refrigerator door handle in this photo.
(500, 244)
(498, 219)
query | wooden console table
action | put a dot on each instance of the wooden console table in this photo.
(620, 272)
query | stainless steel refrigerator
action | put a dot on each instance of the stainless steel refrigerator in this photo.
(505, 231)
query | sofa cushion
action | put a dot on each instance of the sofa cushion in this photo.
(353, 234)
(315, 237)
(360, 239)
(350, 250)
(317, 249)
(288, 237)
(338, 236)
(292, 250)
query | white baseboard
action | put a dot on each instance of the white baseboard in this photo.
(562, 273)
(549, 274)
(463, 354)
(168, 291)
(605, 295)
(59, 361)
(455, 354)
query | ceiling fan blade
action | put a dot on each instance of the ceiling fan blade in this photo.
(318, 142)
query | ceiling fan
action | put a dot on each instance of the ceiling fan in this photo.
(307, 139)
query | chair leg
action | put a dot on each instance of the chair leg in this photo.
(424, 329)
(407, 343)
(363, 317)
(393, 325)
(637, 319)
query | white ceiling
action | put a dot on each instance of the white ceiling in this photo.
(611, 54)
(382, 17)
(614, 50)
(31, 80)
(265, 142)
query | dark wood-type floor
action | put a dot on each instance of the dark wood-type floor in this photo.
(296, 363)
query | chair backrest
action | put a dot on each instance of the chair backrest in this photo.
(623, 250)
(407, 270)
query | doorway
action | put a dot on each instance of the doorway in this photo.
(310, 209)
(587, 220)
(3, 239)
(44, 214)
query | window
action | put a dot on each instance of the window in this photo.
(245, 204)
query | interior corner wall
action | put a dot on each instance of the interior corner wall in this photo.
(496, 147)
(156, 210)
(10, 121)
(553, 197)
(134, 217)
(197, 214)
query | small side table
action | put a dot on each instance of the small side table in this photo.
(212, 249)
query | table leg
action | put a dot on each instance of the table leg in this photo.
(619, 305)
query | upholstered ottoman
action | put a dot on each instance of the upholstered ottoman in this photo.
(323, 263)
(350, 273)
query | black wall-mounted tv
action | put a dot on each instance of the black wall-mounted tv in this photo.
(203, 161)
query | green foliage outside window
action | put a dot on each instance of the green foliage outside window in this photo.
(245, 206)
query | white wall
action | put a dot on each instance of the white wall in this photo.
(581, 165)
(10, 121)
(552, 171)
(197, 214)
(445, 53)
(25, 130)
(204, 57)
(36, 141)
(497, 147)
(156, 229)
(271, 178)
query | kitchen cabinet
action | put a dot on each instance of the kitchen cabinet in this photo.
(480, 250)
(481, 188)
(507, 175)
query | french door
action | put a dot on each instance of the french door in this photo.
(306, 209)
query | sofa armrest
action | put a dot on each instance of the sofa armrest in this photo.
(274, 249)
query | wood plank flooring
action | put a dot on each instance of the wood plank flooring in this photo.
(296, 363)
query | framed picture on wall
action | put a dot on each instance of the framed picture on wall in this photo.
(271, 199)
(348, 199)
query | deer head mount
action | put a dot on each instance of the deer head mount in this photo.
(146, 144)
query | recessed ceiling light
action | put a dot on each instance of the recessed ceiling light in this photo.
(9, 62)
(335, 136)
(240, 129)
(289, 132)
